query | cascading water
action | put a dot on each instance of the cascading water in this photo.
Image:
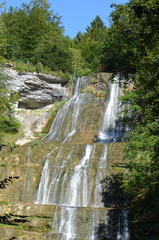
(112, 130)
(102, 164)
(69, 112)
(72, 174)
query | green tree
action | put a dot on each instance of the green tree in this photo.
(78, 37)
(26, 26)
(3, 40)
(97, 29)
(53, 51)
(132, 49)
(8, 123)
(78, 63)
(90, 43)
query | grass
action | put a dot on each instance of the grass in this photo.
(10, 138)
(4, 202)
(90, 89)
(36, 143)
(39, 134)
(4, 165)
(22, 67)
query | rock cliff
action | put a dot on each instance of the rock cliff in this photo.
(63, 185)
(36, 90)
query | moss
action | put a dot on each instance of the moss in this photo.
(39, 218)
(4, 165)
(36, 143)
(100, 94)
(52, 114)
(4, 202)
(39, 134)
(12, 226)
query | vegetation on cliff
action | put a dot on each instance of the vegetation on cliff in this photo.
(8, 123)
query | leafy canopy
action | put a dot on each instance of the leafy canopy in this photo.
(132, 49)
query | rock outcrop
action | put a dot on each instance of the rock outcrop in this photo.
(37, 94)
(36, 90)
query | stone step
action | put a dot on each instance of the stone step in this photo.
(54, 220)
(41, 210)
(12, 232)
(28, 210)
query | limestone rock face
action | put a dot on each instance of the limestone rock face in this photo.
(65, 186)
(36, 93)
(36, 90)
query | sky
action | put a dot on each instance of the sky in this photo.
(76, 14)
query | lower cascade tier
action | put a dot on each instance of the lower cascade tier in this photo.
(58, 222)
(89, 204)
(79, 176)
(90, 223)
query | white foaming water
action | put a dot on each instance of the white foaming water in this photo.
(102, 163)
(43, 186)
(70, 109)
(76, 195)
(79, 181)
(111, 131)
(47, 191)
(123, 231)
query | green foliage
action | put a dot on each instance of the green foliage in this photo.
(141, 181)
(52, 51)
(29, 67)
(90, 43)
(132, 49)
(3, 40)
(8, 123)
(36, 143)
(22, 67)
(39, 68)
(33, 33)
(78, 63)
(25, 27)
(97, 29)
(4, 202)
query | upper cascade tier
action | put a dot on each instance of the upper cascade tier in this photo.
(84, 112)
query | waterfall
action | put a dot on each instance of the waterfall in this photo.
(68, 113)
(72, 174)
(102, 164)
(123, 233)
(42, 191)
(112, 130)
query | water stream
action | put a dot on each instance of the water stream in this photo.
(71, 179)
(111, 129)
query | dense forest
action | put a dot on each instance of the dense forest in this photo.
(32, 37)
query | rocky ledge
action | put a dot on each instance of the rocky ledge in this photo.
(36, 90)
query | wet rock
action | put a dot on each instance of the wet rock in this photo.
(31, 210)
